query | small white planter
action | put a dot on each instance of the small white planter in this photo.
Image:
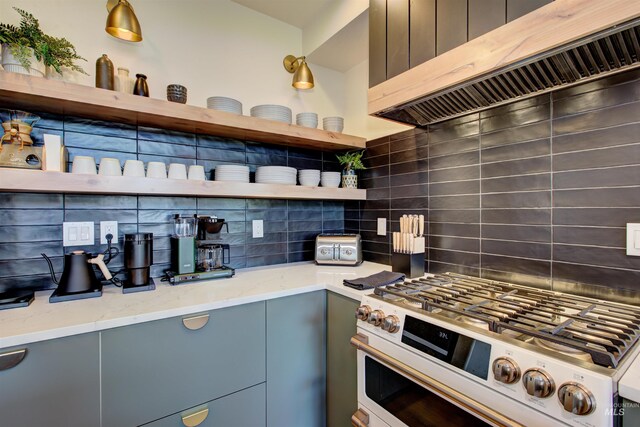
(11, 64)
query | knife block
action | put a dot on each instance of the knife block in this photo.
(411, 265)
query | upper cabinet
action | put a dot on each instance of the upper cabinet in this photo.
(406, 33)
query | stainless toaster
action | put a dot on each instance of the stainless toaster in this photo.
(338, 249)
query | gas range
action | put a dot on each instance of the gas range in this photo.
(533, 356)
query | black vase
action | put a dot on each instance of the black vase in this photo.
(141, 88)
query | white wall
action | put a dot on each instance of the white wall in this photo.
(213, 47)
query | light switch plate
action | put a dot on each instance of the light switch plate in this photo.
(382, 226)
(633, 239)
(258, 229)
(77, 233)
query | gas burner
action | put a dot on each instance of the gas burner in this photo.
(563, 349)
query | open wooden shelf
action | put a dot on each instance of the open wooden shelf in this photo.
(35, 181)
(59, 97)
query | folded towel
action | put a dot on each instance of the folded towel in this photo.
(379, 279)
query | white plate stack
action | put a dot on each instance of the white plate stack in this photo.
(333, 124)
(238, 173)
(330, 179)
(222, 103)
(276, 175)
(308, 120)
(309, 177)
(279, 113)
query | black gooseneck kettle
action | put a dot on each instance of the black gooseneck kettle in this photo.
(78, 275)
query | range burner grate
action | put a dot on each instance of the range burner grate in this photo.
(603, 330)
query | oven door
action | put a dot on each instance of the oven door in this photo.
(401, 396)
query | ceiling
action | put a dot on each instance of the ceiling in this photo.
(298, 13)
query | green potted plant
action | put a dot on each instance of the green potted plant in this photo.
(26, 49)
(351, 162)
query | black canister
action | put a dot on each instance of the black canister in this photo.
(141, 88)
(138, 257)
(104, 73)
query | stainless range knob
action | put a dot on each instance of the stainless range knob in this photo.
(362, 313)
(538, 383)
(391, 323)
(376, 317)
(506, 370)
(576, 399)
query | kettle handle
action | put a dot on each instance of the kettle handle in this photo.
(53, 274)
(99, 261)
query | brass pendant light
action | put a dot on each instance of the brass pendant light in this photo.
(122, 22)
(302, 77)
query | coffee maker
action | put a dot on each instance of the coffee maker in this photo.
(138, 258)
(205, 250)
(16, 145)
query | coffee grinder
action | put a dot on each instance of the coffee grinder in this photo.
(138, 258)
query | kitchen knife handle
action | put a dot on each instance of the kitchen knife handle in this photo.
(11, 359)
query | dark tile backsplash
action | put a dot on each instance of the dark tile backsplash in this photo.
(32, 223)
(537, 192)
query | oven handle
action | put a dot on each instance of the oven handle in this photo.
(360, 341)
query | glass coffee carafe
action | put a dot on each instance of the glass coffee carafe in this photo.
(210, 257)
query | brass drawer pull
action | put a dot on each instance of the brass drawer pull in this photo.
(196, 322)
(360, 419)
(11, 359)
(196, 419)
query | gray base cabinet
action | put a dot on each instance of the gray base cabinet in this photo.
(245, 408)
(151, 370)
(342, 370)
(296, 365)
(56, 384)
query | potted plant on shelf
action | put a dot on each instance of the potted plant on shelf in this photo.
(351, 162)
(26, 49)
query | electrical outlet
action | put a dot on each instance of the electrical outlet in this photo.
(382, 226)
(77, 233)
(258, 230)
(108, 227)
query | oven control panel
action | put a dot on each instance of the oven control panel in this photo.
(562, 388)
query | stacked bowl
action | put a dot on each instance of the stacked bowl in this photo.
(330, 179)
(308, 120)
(309, 177)
(222, 103)
(237, 173)
(279, 113)
(276, 175)
(333, 124)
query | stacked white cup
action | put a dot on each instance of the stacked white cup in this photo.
(330, 179)
(333, 124)
(308, 120)
(309, 177)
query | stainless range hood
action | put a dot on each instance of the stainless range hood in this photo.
(563, 43)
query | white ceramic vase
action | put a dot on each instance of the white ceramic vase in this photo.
(10, 63)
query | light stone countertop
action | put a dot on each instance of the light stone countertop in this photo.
(42, 320)
(629, 385)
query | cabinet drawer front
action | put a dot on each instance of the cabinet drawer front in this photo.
(158, 368)
(242, 409)
(56, 384)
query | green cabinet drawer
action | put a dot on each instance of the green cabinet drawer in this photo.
(56, 384)
(245, 408)
(151, 370)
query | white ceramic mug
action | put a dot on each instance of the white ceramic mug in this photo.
(110, 167)
(196, 173)
(177, 171)
(133, 168)
(84, 165)
(156, 170)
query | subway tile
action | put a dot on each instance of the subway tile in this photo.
(266, 149)
(378, 150)
(569, 277)
(454, 160)
(535, 148)
(627, 133)
(505, 137)
(531, 199)
(455, 174)
(527, 278)
(516, 265)
(606, 117)
(266, 248)
(598, 84)
(18, 267)
(517, 216)
(407, 167)
(376, 161)
(34, 282)
(302, 163)
(454, 243)
(409, 155)
(81, 201)
(100, 142)
(517, 249)
(49, 121)
(30, 201)
(166, 149)
(454, 229)
(606, 157)
(254, 261)
(220, 143)
(222, 155)
(99, 154)
(146, 158)
(517, 105)
(266, 204)
(417, 139)
(300, 256)
(160, 216)
(597, 99)
(608, 177)
(165, 135)
(98, 127)
(376, 257)
(378, 193)
(597, 256)
(308, 225)
(37, 134)
(418, 190)
(454, 257)
(517, 167)
(151, 202)
(407, 134)
(382, 248)
(33, 233)
(295, 236)
(266, 159)
(454, 215)
(383, 140)
(411, 203)
(265, 215)
(439, 267)
(375, 172)
(597, 197)
(409, 179)
(452, 188)
(11, 251)
(522, 233)
(592, 236)
(540, 181)
(454, 129)
(123, 216)
(32, 216)
(605, 217)
(220, 203)
(516, 118)
(454, 202)
(302, 153)
(454, 147)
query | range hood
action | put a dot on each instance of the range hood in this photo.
(563, 43)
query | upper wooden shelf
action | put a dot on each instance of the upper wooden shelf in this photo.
(59, 97)
(35, 181)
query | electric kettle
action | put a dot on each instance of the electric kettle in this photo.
(78, 275)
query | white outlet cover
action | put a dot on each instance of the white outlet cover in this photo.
(382, 226)
(633, 239)
(258, 229)
(108, 227)
(77, 233)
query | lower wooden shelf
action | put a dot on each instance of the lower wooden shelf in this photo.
(35, 181)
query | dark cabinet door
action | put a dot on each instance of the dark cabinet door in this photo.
(451, 30)
(486, 15)
(517, 8)
(422, 31)
(377, 41)
(397, 37)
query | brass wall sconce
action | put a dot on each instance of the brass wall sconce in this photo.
(302, 77)
(122, 22)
